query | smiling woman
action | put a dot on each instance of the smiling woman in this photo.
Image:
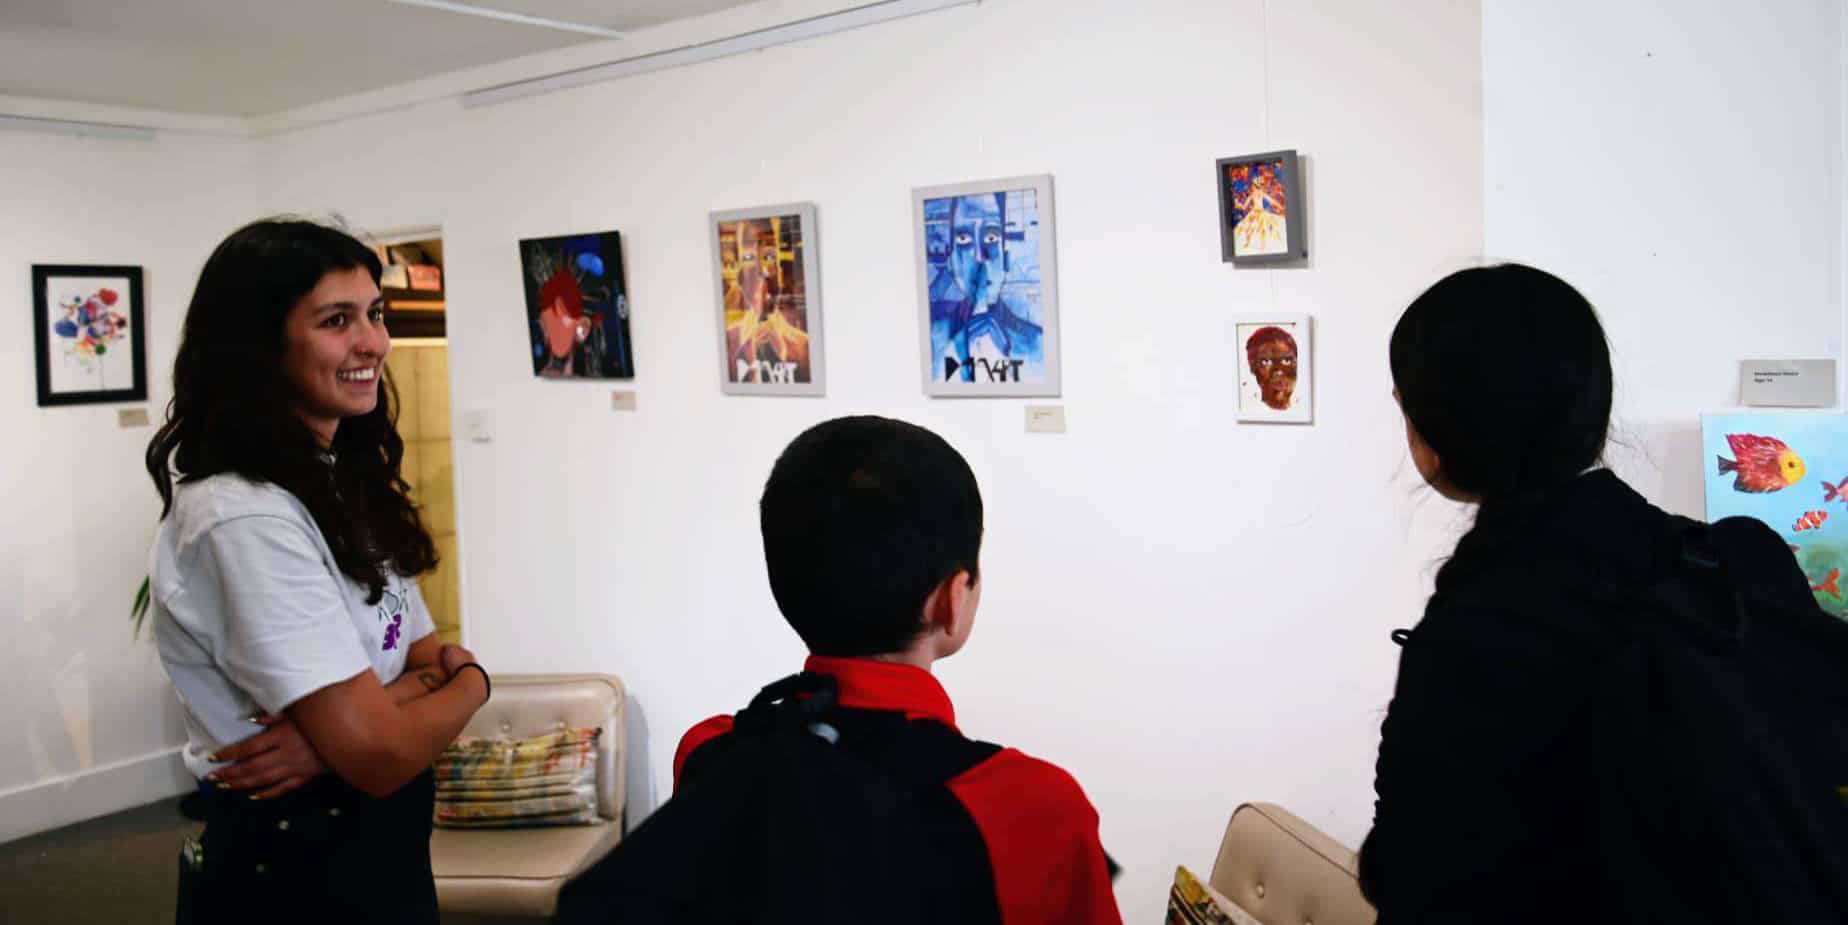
(283, 591)
(336, 346)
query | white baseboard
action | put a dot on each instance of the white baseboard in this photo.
(98, 791)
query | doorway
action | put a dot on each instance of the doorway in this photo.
(413, 286)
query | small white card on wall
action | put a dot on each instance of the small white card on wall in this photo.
(1045, 419)
(1787, 383)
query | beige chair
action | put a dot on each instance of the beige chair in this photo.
(1285, 872)
(518, 872)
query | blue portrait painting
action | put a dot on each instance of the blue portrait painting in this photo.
(988, 290)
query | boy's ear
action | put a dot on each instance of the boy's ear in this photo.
(948, 607)
(939, 610)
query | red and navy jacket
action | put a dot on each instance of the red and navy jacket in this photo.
(1034, 826)
(772, 829)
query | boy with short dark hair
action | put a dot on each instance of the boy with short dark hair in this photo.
(846, 793)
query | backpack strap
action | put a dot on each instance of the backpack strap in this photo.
(917, 754)
(798, 703)
(1697, 591)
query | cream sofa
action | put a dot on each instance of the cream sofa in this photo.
(518, 872)
(1285, 872)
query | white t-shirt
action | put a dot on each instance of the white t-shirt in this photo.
(251, 613)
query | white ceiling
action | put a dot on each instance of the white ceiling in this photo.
(250, 58)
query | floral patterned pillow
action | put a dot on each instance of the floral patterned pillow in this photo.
(1191, 902)
(548, 779)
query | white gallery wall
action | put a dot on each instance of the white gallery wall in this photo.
(1185, 612)
(1681, 163)
(90, 724)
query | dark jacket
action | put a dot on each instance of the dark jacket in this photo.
(1487, 775)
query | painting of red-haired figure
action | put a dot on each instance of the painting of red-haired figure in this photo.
(1275, 378)
(577, 311)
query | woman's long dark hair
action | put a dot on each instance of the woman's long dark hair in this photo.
(1505, 372)
(234, 408)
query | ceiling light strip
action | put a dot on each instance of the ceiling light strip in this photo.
(77, 127)
(469, 9)
(784, 34)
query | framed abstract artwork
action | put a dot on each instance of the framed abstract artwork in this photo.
(1276, 377)
(767, 294)
(577, 308)
(988, 294)
(1261, 210)
(89, 333)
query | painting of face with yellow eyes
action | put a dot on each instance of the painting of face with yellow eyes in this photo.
(1275, 376)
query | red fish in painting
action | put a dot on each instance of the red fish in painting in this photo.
(1763, 464)
(1830, 584)
(1834, 492)
(1810, 521)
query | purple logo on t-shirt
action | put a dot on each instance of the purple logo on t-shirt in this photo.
(391, 613)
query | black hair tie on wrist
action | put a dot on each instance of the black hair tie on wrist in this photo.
(485, 679)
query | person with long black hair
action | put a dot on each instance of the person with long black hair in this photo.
(1497, 756)
(316, 694)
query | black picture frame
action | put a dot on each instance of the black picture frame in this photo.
(588, 270)
(1295, 215)
(43, 332)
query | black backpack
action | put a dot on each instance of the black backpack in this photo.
(1723, 744)
(778, 821)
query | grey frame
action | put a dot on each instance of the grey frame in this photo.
(811, 280)
(1041, 184)
(1296, 243)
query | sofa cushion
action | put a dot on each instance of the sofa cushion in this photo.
(514, 872)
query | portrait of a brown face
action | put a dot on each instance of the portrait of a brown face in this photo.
(1271, 354)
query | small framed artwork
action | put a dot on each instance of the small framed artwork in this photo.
(577, 308)
(90, 335)
(767, 294)
(1261, 213)
(988, 294)
(1276, 374)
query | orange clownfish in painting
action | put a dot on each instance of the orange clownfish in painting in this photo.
(1810, 521)
(1763, 464)
(1830, 584)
